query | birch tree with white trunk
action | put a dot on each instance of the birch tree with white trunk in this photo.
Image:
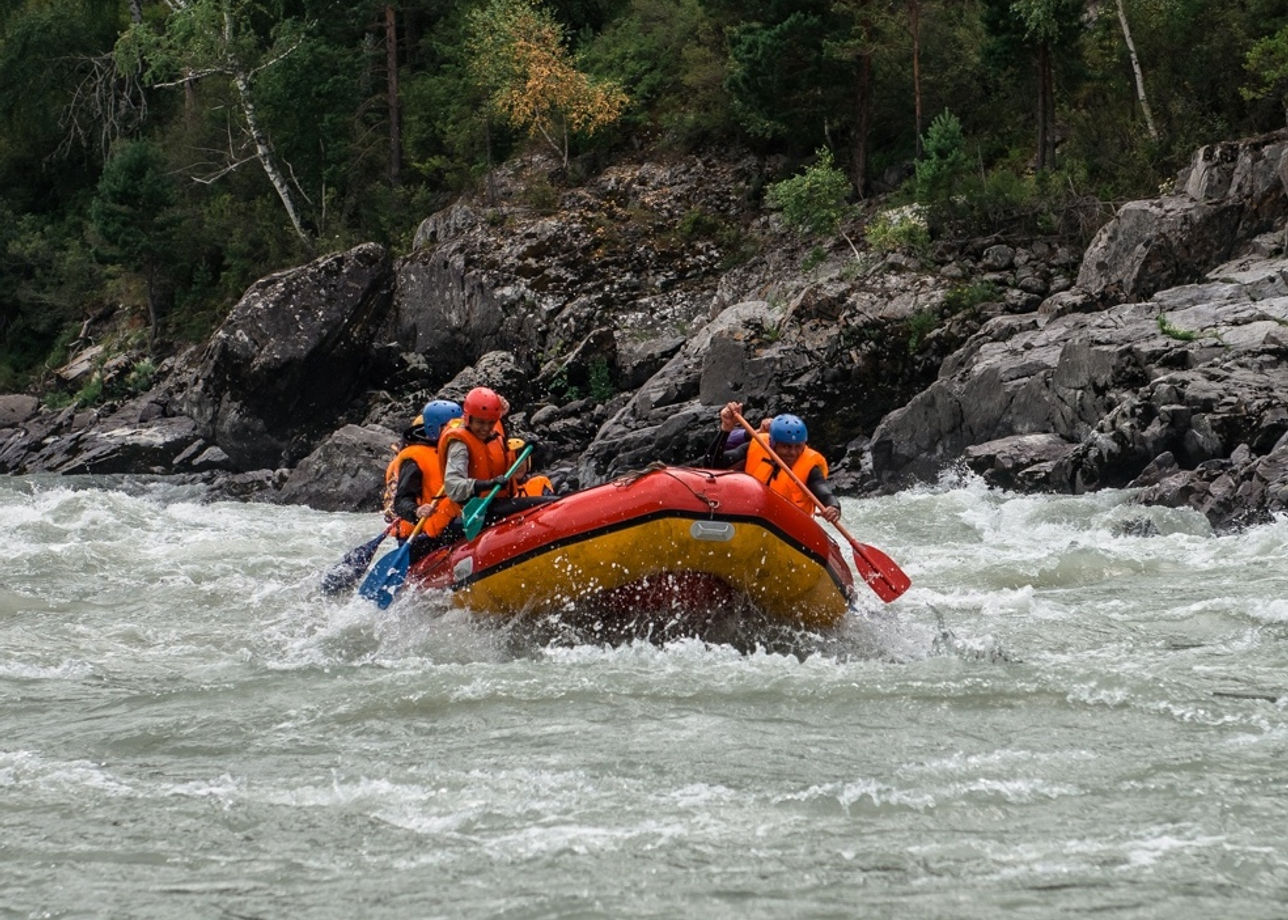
(213, 39)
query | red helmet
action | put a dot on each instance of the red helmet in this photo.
(483, 403)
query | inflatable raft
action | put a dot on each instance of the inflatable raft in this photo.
(673, 540)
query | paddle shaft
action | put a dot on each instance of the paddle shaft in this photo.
(472, 514)
(877, 569)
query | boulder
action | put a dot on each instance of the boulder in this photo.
(344, 473)
(1230, 193)
(280, 371)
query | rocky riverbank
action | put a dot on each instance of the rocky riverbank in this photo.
(618, 315)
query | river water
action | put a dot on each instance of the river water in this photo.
(1079, 709)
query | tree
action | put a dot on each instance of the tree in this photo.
(1267, 64)
(814, 202)
(518, 58)
(1046, 28)
(943, 165)
(201, 39)
(133, 213)
(1136, 71)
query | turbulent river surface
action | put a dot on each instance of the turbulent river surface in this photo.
(1079, 709)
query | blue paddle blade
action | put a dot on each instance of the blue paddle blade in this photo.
(387, 576)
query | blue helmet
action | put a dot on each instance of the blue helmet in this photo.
(437, 414)
(788, 429)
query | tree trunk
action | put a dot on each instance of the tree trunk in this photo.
(263, 150)
(1140, 76)
(862, 123)
(914, 25)
(136, 11)
(391, 65)
(150, 280)
(1045, 110)
(264, 153)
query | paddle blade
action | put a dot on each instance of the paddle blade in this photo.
(880, 572)
(387, 576)
(345, 573)
(472, 515)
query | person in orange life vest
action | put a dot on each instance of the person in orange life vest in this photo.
(475, 458)
(529, 485)
(419, 483)
(787, 436)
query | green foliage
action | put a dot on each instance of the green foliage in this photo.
(943, 165)
(1267, 65)
(141, 377)
(814, 258)
(696, 224)
(782, 83)
(1175, 332)
(669, 57)
(813, 202)
(133, 209)
(90, 393)
(48, 279)
(902, 229)
(600, 380)
(920, 325)
(966, 297)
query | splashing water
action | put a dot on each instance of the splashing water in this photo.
(1079, 707)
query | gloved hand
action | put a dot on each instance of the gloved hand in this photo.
(484, 486)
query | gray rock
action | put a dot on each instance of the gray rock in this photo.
(278, 373)
(344, 473)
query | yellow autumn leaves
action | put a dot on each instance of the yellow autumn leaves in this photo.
(518, 57)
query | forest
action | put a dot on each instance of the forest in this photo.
(157, 157)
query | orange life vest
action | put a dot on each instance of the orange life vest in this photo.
(488, 459)
(536, 486)
(763, 467)
(431, 487)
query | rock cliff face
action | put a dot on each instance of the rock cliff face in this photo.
(618, 315)
(1130, 378)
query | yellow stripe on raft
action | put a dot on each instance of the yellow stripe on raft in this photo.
(778, 579)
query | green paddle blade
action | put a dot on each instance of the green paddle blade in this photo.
(476, 508)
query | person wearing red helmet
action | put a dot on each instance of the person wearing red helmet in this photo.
(476, 457)
(787, 436)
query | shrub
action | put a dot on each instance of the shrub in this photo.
(943, 165)
(813, 202)
(899, 229)
(967, 297)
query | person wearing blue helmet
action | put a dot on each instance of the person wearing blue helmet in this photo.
(418, 481)
(788, 436)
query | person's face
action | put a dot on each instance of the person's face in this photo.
(481, 428)
(789, 452)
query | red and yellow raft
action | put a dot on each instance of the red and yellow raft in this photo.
(670, 539)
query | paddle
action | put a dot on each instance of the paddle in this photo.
(343, 575)
(390, 571)
(874, 566)
(472, 513)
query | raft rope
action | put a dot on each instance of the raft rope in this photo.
(713, 504)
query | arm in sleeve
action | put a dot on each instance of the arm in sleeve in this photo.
(818, 484)
(407, 496)
(718, 458)
(456, 481)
